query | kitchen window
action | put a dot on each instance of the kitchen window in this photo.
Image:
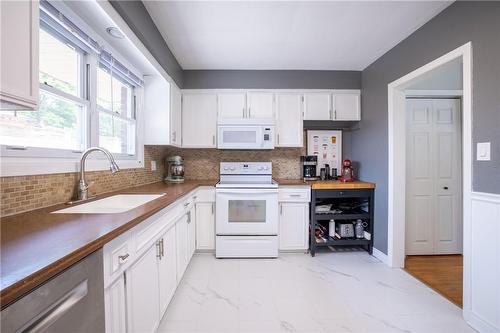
(88, 97)
(60, 122)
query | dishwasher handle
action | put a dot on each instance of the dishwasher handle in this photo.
(46, 318)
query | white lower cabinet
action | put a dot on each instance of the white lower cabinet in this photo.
(142, 293)
(191, 221)
(181, 235)
(116, 320)
(294, 217)
(294, 226)
(167, 269)
(205, 226)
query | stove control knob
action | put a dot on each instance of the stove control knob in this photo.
(231, 168)
(261, 168)
(226, 168)
(266, 168)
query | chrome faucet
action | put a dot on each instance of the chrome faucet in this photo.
(82, 191)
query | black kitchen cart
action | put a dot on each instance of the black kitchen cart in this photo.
(358, 196)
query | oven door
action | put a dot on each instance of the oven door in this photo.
(245, 211)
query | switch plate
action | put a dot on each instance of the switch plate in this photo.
(483, 151)
(153, 165)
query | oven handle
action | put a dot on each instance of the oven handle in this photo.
(247, 191)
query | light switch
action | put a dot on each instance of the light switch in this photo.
(483, 151)
(153, 165)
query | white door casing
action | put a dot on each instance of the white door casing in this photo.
(433, 189)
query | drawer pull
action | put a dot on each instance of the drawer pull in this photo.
(123, 258)
(187, 204)
(295, 195)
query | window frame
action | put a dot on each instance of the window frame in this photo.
(21, 161)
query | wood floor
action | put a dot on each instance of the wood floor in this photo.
(443, 273)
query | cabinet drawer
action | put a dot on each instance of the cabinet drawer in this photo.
(118, 255)
(294, 194)
(148, 231)
(343, 193)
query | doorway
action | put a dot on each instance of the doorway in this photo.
(397, 186)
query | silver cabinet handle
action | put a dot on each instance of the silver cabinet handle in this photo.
(335, 114)
(189, 217)
(281, 209)
(249, 116)
(213, 208)
(41, 322)
(243, 112)
(187, 204)
(278, 138)
(295, 195)
(158, 249)
(213, 139)
(331, 115)
(162, 248)
(123, 258)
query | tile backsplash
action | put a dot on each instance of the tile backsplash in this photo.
(24, 193)
(204, 163)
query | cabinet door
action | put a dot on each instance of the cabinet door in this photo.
(199, 120)
(175, 116)
(181, 236)
(19, 54)
(317, 106)
(260, 105)
(167, 269)
(205, 226)
(346, 105)
(156, 110)
(294, 226)
(142, 293)
(289, 124)
(232, 105)
(115, 306)
(191, 221)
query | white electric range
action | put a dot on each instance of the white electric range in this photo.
(246, 211)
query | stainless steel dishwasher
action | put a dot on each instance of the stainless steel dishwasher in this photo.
(72, 301)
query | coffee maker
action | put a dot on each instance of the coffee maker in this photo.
(309, 164)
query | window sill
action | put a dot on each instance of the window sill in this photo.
(28, 166)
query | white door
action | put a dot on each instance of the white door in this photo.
(142, 293)
(294, 226)
(260, 105)
(191, 232)
(289, 124)
(433, 186)
(317, 106)
(181, 237)
(175, 115)
(346, 105)
(167, 269)
(199, 120)
(116, 307)
(205, 225)
(232, 105)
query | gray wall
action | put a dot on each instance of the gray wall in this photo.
(478, 22)
(137, 17)
(270, 79)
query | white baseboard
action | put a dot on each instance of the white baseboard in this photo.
(380, 256)
(479, 324)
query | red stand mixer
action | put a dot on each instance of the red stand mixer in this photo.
(347, 174)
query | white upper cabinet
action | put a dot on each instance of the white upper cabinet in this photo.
(175, 116)
(346, 105)
(199, 120)
(156, 110)
(289, 124)
(260, 105)
(19, 55)
(318, 105)
(232, 105)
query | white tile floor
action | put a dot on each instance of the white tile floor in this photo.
(332, 292)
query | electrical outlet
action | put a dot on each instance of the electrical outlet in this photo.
(153, 165)
(483, 151)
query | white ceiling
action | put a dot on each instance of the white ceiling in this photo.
(327, 35)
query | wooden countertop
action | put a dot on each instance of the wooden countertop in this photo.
(37, 245)
(328, 184)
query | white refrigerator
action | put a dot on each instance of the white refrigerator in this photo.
(327, 145)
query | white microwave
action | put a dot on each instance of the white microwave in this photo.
(245, 136)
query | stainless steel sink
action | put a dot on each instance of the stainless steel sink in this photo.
(111, 205)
